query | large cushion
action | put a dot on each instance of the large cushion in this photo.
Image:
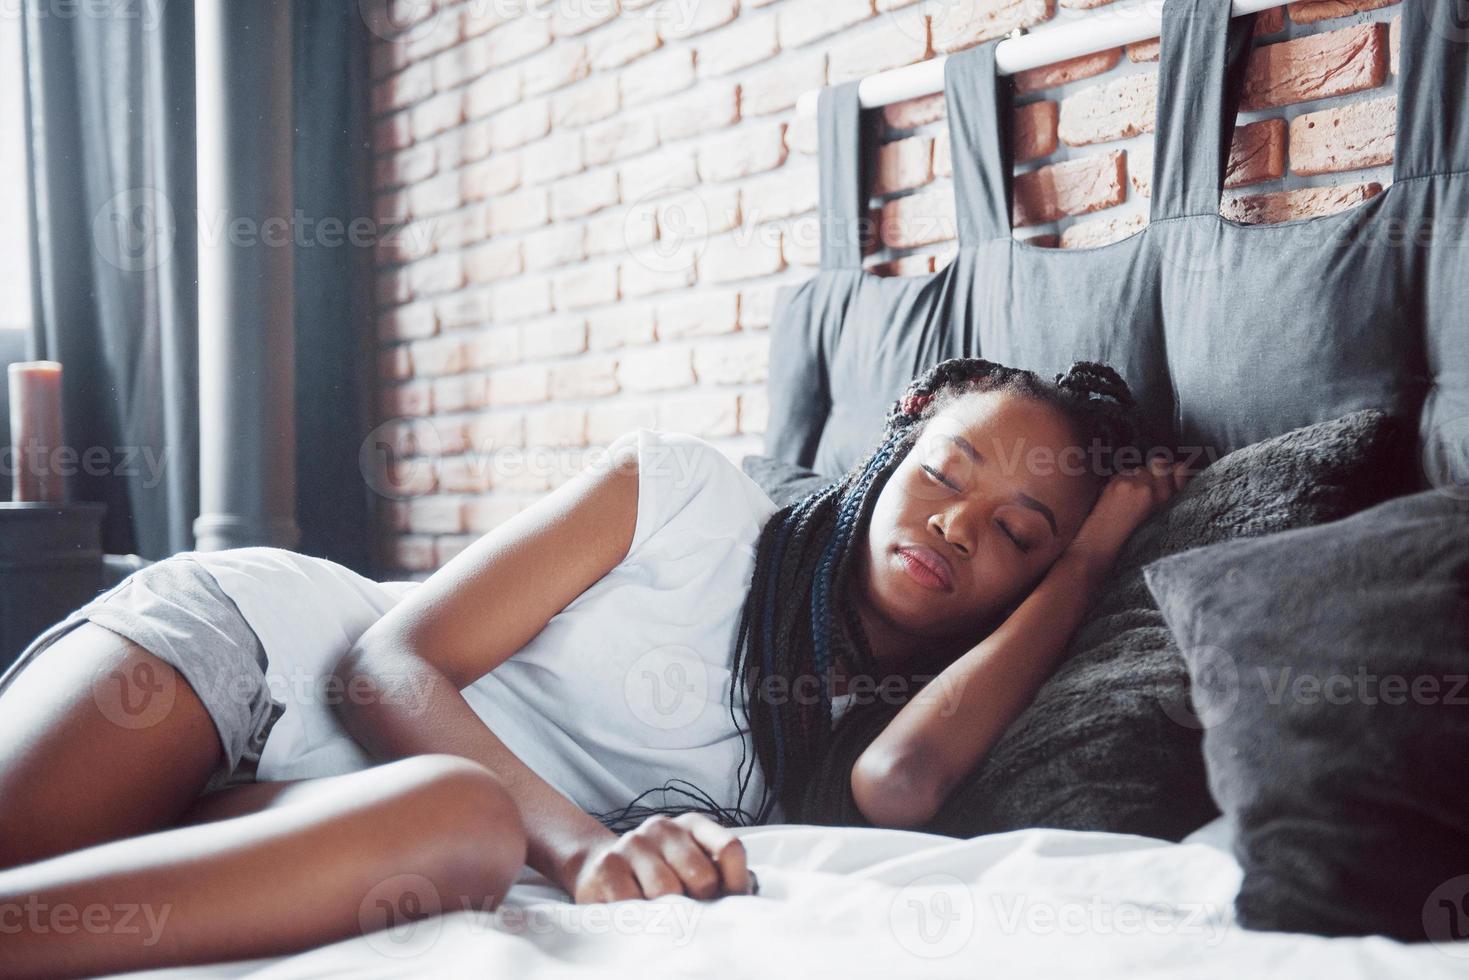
(1109, 742)
(1330, 667)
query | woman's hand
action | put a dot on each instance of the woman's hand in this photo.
(1128, 498)
(684, 855)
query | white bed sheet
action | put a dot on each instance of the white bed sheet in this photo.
(892, 904)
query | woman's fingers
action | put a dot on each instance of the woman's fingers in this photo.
(608, 877)
(682, 853)
(725, 849)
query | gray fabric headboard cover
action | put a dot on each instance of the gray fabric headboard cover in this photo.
(1227, 333)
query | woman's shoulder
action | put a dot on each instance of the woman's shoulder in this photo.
(684, 479)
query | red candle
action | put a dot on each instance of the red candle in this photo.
(35, 432)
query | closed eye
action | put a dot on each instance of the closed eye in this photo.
(1018, 543)
(939, 476)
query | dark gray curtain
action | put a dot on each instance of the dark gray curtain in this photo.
(110, 112)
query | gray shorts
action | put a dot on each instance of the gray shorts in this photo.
(176, 611)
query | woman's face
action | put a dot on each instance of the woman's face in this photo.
(968, 524)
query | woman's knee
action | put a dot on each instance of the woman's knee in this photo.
(469, 823)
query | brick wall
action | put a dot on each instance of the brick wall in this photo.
(592, 204)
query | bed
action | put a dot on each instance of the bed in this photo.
(855, 902)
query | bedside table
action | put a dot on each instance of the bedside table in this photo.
(51, 562)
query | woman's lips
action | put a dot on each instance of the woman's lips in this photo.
(927, 567)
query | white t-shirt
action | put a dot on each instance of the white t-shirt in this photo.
(625, 689)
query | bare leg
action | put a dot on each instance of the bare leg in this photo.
(410, 836)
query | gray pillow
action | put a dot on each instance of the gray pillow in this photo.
(783, 482)
(1108, 742)
(1330, 667)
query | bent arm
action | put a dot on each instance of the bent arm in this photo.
(904, 776)
(404, 675)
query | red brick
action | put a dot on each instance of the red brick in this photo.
(1270, 21)
(409, 398)
(487, 513)
(699, 314)
(610, 421)
(588, 101)
(438, 114)
(560, 244)
(1256, 153)
(750, 149)
(670, 70)
(466, 309)
(732, 361)
(520, 211)
(622, 136)
(913, 113)
(571, 19)
(1311, 11)
(657, 368)
(520, 124)
(490, 178)
(918, 219)
(1348, 137)
(959, 26)
(704, 414)
(555, 337)
(657, 173)
(585, 285)
(436, 515)
(777, 86)
(1304, 202)
(578, 196)
(1116, 110)
(706, 108)
(493, 260)
(1035, 130)
(904, 164)
(748, 41)
(520, 37)
(745, 254)
(754, 411)
(460, 392)
(492, 347)
(803, 21)
(793, 189)
(556, 67)
(1070, 187)
(558, 155)
(523, 297)
(627, 40)
(620, 326)
(894, 41)
(594, 377)
(495, 91)
(1102, 231)
(522, 384)
(393, 132)
(1316, 67)
(395, 363)
(1070, 70)
(1148, 50)
(438, 355)
(411, 85)
(682, 21)
(908, 265)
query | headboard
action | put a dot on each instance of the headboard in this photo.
(1228, 333)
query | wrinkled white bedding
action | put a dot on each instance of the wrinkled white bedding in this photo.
(891, 904)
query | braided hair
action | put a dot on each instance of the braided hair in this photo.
(801, 613)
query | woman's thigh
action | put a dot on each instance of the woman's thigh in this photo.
(99, 739)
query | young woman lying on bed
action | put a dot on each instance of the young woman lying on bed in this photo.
(502, 713)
